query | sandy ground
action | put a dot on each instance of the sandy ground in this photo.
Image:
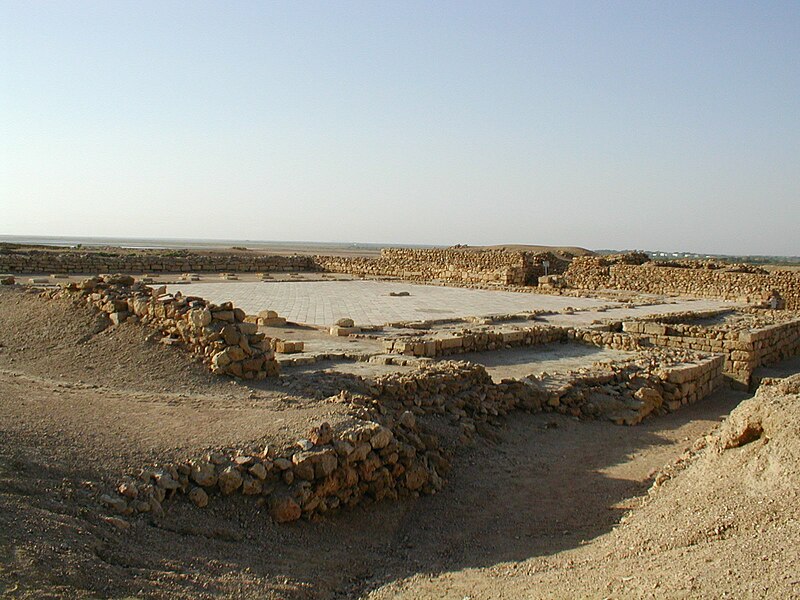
(535, 513)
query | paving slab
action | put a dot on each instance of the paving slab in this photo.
(368, 302)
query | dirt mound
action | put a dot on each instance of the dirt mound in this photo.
(65, 340)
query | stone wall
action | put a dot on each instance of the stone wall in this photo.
(385, 450)
(380, 452)
(145, 261)
(451, 265)
(218, 334)
(627, 391)
(473, 341)
(743, 348)
(692, 279)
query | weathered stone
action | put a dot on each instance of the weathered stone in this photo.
(199, 497)
(408, 420)
(204, 474)
(325, 463)
(128, 490)
(114, 502)
(200, 317)
(321, 435)
(229, 480)
(284, 509)
(258, 470)
(282, 464)
(117, 317)
(235, 353)
(231, 335)
(119, 279)
(303, 465)
(251, 486)
(117, 522)
(248, 328)
(416, 477)
(381, 439)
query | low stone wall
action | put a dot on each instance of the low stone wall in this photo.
(693, 279)
(145, 261)
(346, 465)
(455, 266)
(628, 391)
(381, 452)
(473, 341)
(218, 334)
(744, 349)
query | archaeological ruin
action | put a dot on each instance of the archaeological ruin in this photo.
(662, 354)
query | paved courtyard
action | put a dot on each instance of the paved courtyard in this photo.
(369, 302)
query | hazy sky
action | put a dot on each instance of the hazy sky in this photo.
(659, 125)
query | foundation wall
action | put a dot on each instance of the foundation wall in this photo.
(474, 341)
(595, 273)
(69, 261)
(385, 453)
(743, 350)
(455, 266)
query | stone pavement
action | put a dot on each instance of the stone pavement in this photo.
(369, 303)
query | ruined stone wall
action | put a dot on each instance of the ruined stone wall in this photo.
(743, 349)
(385, 451)
(628, 391)
(71, 261)
(595, 273)
(477, 341)
(448, 265)
(218, 334)
(669, 378)
(380, 452)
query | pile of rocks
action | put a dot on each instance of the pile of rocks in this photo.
(216, 333)
(385, 451)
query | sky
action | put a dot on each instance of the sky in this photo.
(652, 125)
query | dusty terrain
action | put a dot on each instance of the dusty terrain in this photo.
(549, 507)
